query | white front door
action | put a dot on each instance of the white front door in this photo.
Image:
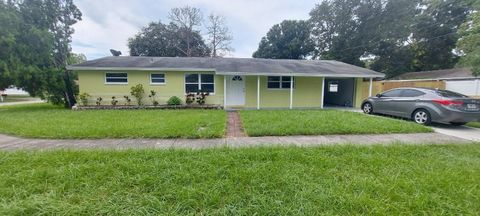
(235, 90)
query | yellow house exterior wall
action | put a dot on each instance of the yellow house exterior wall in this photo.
(306, 94)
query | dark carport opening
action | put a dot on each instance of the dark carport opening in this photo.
(339, 92)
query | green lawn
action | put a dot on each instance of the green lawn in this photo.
(332, 180)
(474, 124)
(321, 122)
(48, 121)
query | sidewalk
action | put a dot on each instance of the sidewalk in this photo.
(14, 143)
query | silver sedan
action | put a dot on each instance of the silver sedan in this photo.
(424, 105)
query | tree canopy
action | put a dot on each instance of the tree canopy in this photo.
(158, 39)
(392, 36)
(35, 47)
(182, 36)
(469, 43)
(287, 40)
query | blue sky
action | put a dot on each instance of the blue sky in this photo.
(108, 24)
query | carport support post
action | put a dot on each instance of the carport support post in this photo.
(224, 91)
(258, 92)
(291, 92)
(370, 87)
(323, 93)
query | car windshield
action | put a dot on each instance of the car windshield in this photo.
(450, 94)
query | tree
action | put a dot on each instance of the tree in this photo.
(158, 39)
(288, 40)
(75, 58)
(40, 48)
(335, 26)
(469, 43)
(218, 35)
(185, 20)
(434, 33)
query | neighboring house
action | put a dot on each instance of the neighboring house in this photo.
(232, 82)
(460, 80)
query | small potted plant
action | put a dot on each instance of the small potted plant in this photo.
(84, 98)
(189, 98)
(152, 95)
(127, 100)
(99, 101)
(114, 101)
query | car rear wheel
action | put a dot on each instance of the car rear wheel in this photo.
(367, 108)
(422, 116)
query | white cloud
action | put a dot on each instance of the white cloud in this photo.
(108, 24)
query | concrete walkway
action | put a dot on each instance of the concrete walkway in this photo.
(463, 132)
(14, 143)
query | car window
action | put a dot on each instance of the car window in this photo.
(450, 94)
(392, 93)
(411, 93)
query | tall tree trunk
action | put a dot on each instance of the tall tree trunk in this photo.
(69, 93)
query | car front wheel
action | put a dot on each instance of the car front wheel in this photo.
(422, 117)
(367, 108)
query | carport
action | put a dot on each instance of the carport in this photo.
(339, 92)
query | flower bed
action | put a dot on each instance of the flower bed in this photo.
(132, 107)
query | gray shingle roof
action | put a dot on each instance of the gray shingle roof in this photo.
(453, 73)
(247, 66)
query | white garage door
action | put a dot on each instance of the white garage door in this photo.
(466, 87)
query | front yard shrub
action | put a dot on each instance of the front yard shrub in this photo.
(114, 101)
(138, 92)
(190, 98)
(202, 97)
(84, 98)
(152, 95)
(99, 101)
(127, 100)
(174, 101)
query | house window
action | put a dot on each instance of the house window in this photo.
(279, 82)
(116, 78)
(157, 78)
(199, 82)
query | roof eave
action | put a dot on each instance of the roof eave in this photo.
(304, 74)
(86, 68)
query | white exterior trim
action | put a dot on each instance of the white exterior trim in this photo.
(370, 88)
(291, 92)
(81, 68)
(323, 93)
(224, 92)
(439, 79)
(258, 92)
(478, 86)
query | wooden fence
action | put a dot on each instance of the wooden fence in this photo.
(381, 86)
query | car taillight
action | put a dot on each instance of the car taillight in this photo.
(448, 102)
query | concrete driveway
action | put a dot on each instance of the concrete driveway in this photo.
(463, 132)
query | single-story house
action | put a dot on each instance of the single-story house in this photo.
(234, 83)
(460, 80)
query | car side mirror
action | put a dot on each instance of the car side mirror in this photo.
(379, 95)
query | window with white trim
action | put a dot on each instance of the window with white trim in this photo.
(157, 78)
(116, 78)
(279, 82)
(199, 82)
